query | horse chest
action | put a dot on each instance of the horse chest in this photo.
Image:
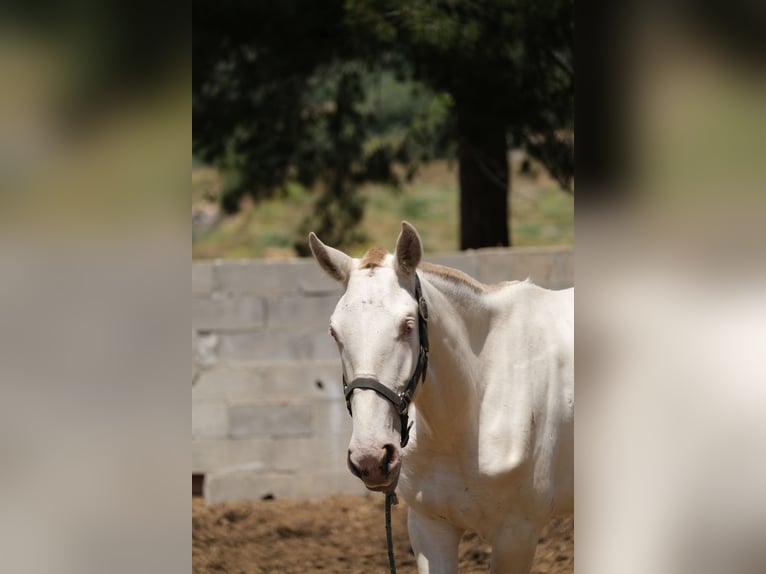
(441, 488)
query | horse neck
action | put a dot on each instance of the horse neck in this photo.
(457, 325)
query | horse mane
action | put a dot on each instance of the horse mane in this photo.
(457, 276)
(375, 257)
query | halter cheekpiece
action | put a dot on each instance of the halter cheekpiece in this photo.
(401, 401)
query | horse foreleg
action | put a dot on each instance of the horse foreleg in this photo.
(513, 547)
(435, 543)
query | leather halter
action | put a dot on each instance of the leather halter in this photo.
(401, 401)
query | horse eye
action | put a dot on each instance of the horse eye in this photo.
(407, 326)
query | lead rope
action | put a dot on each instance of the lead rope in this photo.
(390, 499)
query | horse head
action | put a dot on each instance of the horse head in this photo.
(379, 327)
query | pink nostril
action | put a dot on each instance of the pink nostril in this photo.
(373, 466)
(390, 458)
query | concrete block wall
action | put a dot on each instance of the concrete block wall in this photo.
(268, 415)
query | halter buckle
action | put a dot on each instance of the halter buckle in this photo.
(404, 402)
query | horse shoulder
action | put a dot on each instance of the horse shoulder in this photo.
(523, 383)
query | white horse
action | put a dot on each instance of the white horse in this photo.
(491, 447)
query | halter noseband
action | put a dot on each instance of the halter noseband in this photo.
(401, 401)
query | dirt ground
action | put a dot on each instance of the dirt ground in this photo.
(338, 534)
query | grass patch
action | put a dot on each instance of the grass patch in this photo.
(541, 214)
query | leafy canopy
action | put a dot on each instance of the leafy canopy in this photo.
(294, 91)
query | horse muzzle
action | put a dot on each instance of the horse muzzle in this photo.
(377, 468)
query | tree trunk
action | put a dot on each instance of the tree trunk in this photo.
(483, 160)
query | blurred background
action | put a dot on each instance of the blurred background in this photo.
(346, 117)
(94, 238)
(94, 252)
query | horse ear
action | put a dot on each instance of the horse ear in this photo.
(409, 249)
(335, 263)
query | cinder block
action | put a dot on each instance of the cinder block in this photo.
(283, 454)
(548, 267)
(223, 313)
(321, 484)
(314, 281)
(276, 346)
(292, 453)
(564, 272)
(271, 381)
(331, 419)
(300, 314)
(246, 483)
(226, 382)
(269, 420)
(260, 346)
(211, 454)
(257, 277)
(308, 454)
(316, 346)
(209, 418)
(204, 349)
(325, 378)
(302, 381)
(538, 265)
(497, 265)
(203, 277)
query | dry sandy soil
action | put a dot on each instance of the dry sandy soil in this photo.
(338, 534)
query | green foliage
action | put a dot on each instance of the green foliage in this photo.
(508, 62)
(413, 208)
(542, 215)
(338, 93)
